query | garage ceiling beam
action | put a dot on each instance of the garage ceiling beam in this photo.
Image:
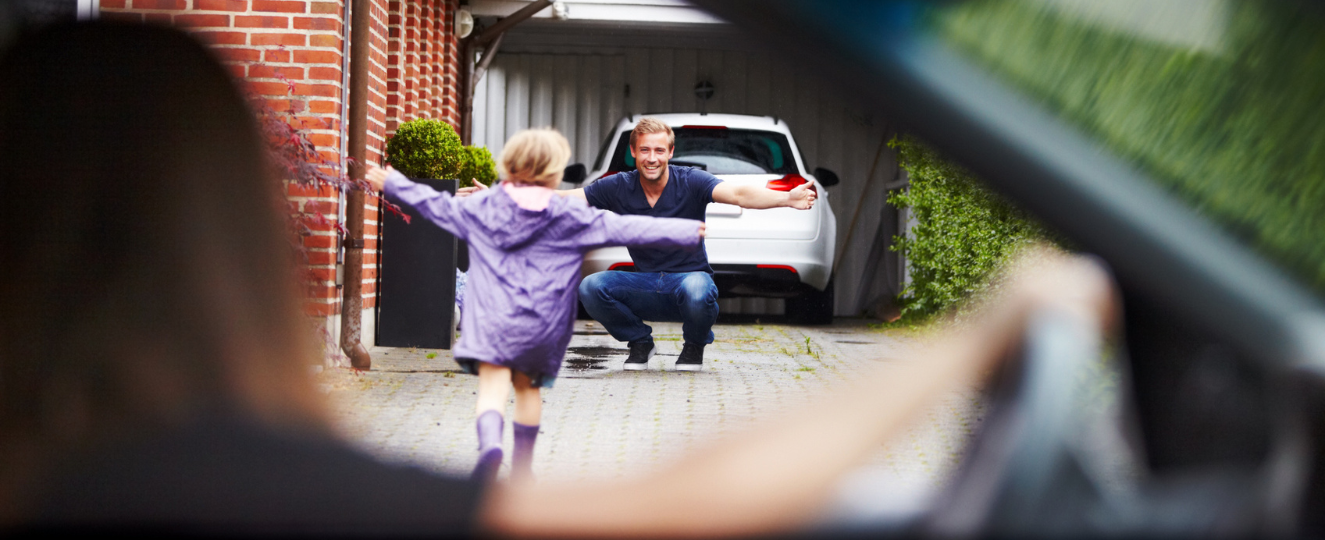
(493, 32)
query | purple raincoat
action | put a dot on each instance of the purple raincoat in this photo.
(524, 268)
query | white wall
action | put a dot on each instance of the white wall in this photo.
(584, 91)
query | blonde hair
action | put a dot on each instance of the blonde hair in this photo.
(650, 125)
(535, 156)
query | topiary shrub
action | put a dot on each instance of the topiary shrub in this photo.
(962, 232)
(425, 148)
(479, 166)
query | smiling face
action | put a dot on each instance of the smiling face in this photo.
(651, 153)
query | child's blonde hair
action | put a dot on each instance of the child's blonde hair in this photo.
(535, 156)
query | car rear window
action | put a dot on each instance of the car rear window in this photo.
(1217, 101)
(721, 151)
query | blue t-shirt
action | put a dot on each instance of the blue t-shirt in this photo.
(686, 195)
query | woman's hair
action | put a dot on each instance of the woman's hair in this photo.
(649, 125)
(535, 156)
(148, 276)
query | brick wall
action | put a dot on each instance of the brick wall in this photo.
(273, 44)
(422, 62)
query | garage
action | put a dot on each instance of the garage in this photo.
(582, 66)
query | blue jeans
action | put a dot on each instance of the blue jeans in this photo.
(622, 301)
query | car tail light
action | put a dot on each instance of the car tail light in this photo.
(626, 267)
(792, 269)
(703, 127)
(788, 183)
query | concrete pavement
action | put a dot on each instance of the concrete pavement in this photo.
(601, 422)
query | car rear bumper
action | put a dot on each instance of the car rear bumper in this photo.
(766, 268)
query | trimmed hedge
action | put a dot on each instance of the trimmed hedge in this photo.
(478, 166)
(961, 234)
(425, 148)
(1232, 127)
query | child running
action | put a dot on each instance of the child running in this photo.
(525, 246)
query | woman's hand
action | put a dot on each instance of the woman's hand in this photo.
(376, 176)
(703, 228)
(467, 191)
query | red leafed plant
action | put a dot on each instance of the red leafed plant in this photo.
(295, 158)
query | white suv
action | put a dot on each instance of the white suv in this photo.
(774, 253)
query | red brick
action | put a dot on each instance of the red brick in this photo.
(281, 6)
(320, 241)
(319, 122)
(269, 88)
(322, 139)
(324, 40)
(160, 4)
(237, 55)
(324, 74)
(260, 71)
(326, 7)
(327, 274)
(317, 23)
(222, 38)
(204, 20)
(301, 190)
(275, 55)
(250, 21)
(316, 57)
(237, 70)
(277, 39)
(325, 207)
(221, 5)
(319, 90)
(112, 4)
(321, 258)
(158, 18)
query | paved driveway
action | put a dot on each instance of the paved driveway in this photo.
(601, 422)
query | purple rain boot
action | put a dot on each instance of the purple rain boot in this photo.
(490, 425)
(522, 458)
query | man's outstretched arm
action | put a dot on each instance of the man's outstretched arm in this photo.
(758, 197)
(577, 193)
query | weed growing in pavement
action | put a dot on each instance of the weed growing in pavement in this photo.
(430, 355)
(805, 368)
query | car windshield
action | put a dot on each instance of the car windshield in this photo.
(720, 150)
(1217, 100)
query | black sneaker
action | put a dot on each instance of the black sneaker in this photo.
(640, 353)
(692, 358)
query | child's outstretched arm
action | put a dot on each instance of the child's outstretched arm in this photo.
(610, 229)
(437, 207)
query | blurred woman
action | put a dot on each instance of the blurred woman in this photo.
(154, 359)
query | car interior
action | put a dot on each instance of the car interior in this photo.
(1176, 141)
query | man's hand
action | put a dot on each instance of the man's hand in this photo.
(703, 229)
(802, 197)
(376, 176)
(467, 191)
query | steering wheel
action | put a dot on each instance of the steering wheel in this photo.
(1052, 457)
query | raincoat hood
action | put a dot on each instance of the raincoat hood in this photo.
(497, 216)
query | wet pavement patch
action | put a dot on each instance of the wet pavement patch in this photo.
(591, 358)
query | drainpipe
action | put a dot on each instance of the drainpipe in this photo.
(351, 306)
(469, 76)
